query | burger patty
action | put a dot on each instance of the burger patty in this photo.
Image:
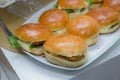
(73, 58)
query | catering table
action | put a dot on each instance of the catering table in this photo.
(27, 68)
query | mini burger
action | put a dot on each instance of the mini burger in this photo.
(113, 4)
(66, 50)
(30, 37)
(107, 17)
(85, 27)
(55, 19)
(73, 7)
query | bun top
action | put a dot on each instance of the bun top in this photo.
(112, 3)
(104, 15)
(71, 4)
(83, 26)
(65, 45)
(54, 18)
(32, 32)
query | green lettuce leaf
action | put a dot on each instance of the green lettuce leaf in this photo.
(69, 10)
(89, 1)
(55, 6)
(83, 9)
(13, 41)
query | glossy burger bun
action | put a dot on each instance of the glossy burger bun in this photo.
(75, 5)
(66, 50)
(113, 4)
(55, 19)
(71, 4)
(107, 17)
(86, 27)
(32, 33)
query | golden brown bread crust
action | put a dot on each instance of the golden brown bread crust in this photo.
(65, 45)
(32, 32)
(112, 3)
(83, 26)
(54, 18)
(104, 15)
(71, 4)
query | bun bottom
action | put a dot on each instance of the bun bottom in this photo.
(93, 40)
(63, 62)
(35, 51)
(109, 29)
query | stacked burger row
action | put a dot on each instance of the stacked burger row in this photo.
(64, 33)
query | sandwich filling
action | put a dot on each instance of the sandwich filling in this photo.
(70, 10)
(72, 59)
(81, 10)
(110, 28)
(34, 48)
(96, 4)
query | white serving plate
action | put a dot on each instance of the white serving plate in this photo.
(94, 52)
